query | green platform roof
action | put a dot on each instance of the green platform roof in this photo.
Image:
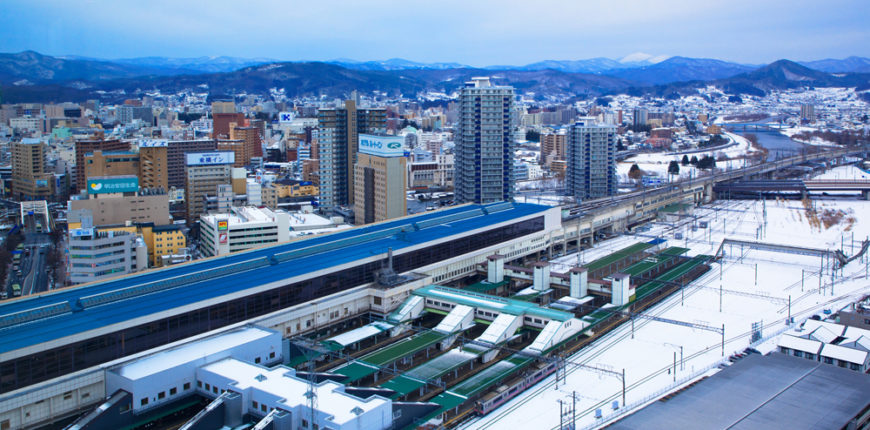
(650, 263)
(617, 256)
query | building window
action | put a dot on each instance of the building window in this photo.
(272, 354)
(173, 391)
(161, 395)
(67, 395)
(186, 386)
(198, 384)
(144, 401)
(263, 407)
(256, 406)
(207, 387)
(257, 360)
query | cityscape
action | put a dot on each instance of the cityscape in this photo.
(398, 216)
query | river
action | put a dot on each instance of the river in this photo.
(777, 144)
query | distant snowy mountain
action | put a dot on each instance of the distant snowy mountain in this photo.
(642, 59)
(679, 69)
(393, 64)
(198, 64)
(850, 64)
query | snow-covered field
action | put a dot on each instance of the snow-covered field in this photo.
(753, 286)
(657, 163)
(844, 172)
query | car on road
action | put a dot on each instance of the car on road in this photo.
(16, 290)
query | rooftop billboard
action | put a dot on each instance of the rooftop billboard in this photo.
(382, 146)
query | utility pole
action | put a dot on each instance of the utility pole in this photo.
(561, 415)
(720, 298)
(573, 409)
(623, 387)
(675, 366)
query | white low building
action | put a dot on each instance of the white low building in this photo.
(169, 375)
(242, 228)
(265, 390)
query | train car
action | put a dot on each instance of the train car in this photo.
(504, 393)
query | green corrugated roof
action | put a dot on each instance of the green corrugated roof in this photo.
(617, 256)
(402, 385)
(485, 287)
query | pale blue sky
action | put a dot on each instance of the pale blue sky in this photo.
(475, 32)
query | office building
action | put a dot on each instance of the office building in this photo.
(30, 181)
(242, 228)
(591, 168)
(337, 139)
(153, 164)
(380, 179)
(484, 144)
(95, 255)
(111, 163)
(176, 161)
(205, 172)
(118, 200)
(89, 146)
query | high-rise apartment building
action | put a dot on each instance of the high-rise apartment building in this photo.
(591, 170)
(153, 164)
(29, 179)
(484, 143)
(553, 147)
(176, 161)
(337, 139)
(251, 141)
(808, 112)
(380, 179)
(205, 172)
(126, 114)
(223, 107)
(88, 146)
(640, 117)
(221, 123)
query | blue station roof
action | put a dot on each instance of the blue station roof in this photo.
(50, 316)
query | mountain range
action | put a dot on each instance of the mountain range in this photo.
(30, 76)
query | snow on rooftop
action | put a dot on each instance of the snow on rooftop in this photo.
(283, 383)
(838, 352)
(188, 352)
(800, 344)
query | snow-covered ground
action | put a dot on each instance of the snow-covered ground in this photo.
(657, 163)
(753, 287)
(844, 172)
(814, 141)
